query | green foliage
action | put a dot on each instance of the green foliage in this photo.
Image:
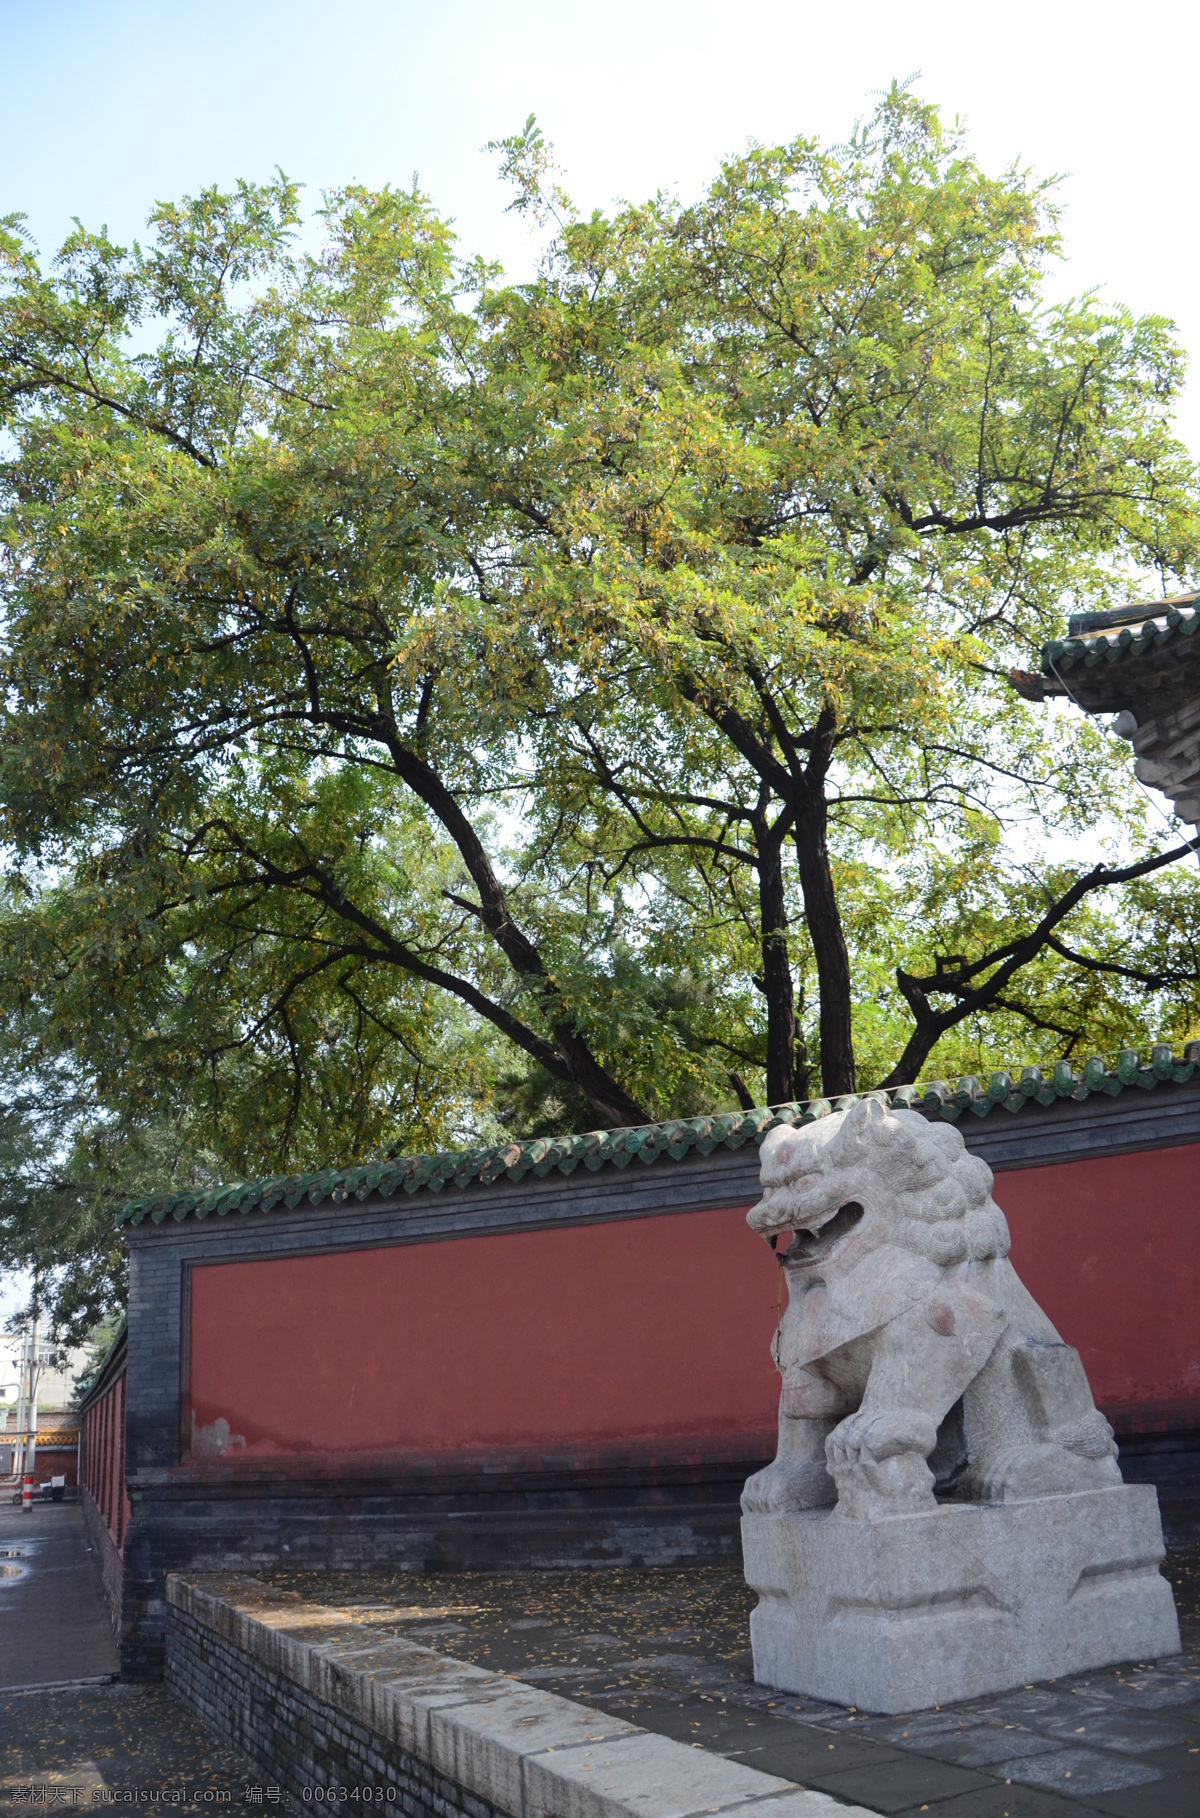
(819, 463)
(102, 1337)
(436, 708)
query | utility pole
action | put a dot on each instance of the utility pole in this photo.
(19, 1440)
(34, 1371)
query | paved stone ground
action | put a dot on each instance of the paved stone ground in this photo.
(88, 1745)
(53, 1620)
(669, 1650)
(105, 1747)
(666, 1649)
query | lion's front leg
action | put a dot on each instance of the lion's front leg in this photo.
(798, 1476)
(878, 1461)
(922, 1363)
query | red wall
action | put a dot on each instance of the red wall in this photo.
(56, 1461)
(654, 1329)
(102, 1458)
(1111, 1250)
(644, 1329)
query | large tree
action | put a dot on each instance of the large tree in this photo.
(241, 573)
(435, 706)
(818, 462)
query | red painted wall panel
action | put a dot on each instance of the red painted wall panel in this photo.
(648, 1328)
(653, 1329)
(1110, 1247)
(103, 1457)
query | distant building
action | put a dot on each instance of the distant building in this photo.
(56, 1385)
(56, 1454)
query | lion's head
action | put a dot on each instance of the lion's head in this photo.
(887, 1176)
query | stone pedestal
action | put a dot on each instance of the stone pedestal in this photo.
(912, 1610)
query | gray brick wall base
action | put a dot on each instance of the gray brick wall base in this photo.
(300, 1743)
(329, 1704)
(108, 1555)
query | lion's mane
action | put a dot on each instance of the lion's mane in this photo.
(929, 1193)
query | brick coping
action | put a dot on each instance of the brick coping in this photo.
(525, 1752)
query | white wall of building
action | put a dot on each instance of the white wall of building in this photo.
(55, 1387)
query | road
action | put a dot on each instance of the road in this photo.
(70, 1734)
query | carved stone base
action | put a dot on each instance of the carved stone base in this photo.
(916, 1610)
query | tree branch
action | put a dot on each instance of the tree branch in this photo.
(932, 1024)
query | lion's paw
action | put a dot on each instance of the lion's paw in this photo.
(870, 1438)
(1022, 1472)
(1089, 1437)
(878, 1463)
(783, 1488)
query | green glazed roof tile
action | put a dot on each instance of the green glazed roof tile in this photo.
(1163, 622)
(596, 1149)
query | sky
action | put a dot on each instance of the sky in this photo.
(109, 105)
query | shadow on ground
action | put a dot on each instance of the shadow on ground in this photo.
(101, 1746)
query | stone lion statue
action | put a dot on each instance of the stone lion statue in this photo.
(911, 1354)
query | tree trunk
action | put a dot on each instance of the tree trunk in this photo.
(602, 1092)
(605, 1095)
(776, 970)
(924, 1038)
(800, 1085)
(829, 945)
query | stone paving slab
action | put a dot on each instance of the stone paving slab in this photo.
(668, 1650)
(663, 1650)
(291, 1681)
(96, 1748)
(89, 1746)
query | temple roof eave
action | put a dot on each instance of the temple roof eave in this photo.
(1142, 659)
